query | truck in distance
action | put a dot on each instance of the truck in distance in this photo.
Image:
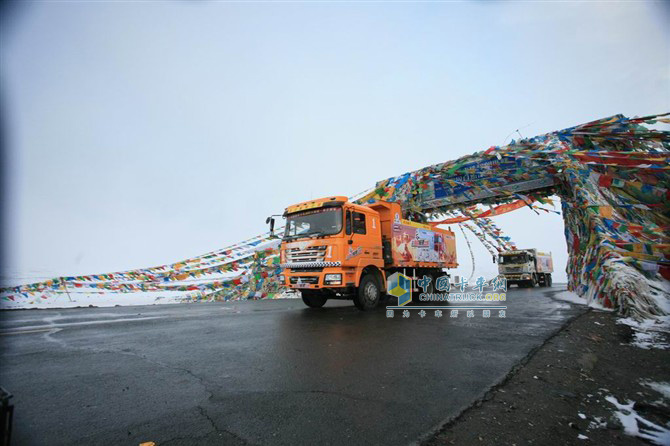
(526, 267)
(335, 249)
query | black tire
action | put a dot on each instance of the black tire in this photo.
(313, 300)
(368, 293)
(430, 289)
(436, 291)
(548, 280)
(527, 283)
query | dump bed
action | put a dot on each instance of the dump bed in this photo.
(544, 263)
(415, 245)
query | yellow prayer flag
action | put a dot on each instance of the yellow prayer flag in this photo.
(606, 211)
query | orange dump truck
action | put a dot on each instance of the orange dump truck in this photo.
(335, 249)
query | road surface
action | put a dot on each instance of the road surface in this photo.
(267, 372)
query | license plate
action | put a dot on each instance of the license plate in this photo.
(302, 285)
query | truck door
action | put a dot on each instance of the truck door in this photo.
(359, 236)
(356, 230)
(368, 235)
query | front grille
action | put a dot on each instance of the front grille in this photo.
(306, 270)
(310, 254)
(312, 280)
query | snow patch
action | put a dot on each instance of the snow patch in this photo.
(96, 299)
(597, 423)
(649, 333)
(663, 388)
(574, 298)
(289, 294)
(77, 298)
(637, 426)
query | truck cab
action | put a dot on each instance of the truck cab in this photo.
(328, 245)
(526, 267)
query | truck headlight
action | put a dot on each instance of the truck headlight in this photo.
(282, 279)
(333, 279)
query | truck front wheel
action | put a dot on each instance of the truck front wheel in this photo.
(368, 293)
(313, 300)
(530, 283)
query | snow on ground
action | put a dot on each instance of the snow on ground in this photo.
(288, 294)
(649, 333)
(637, 426)
(598, 423)
(101, 298)
(97, 299)
(663, 388)
(574, 298)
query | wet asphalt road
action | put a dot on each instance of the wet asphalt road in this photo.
(269, 372)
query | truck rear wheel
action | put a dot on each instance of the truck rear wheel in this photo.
(547, 280)
(430, 289)
(368, 293)
(313, 299)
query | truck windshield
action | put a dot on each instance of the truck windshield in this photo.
(513, 259)
(326, 221)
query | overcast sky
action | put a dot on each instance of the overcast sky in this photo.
(139, 134)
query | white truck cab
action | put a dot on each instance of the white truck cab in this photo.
(526, 267)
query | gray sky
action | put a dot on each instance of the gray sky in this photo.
(139, 134)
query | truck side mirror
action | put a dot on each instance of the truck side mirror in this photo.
(271, 220)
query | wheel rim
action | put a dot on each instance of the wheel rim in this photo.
(370, 293)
